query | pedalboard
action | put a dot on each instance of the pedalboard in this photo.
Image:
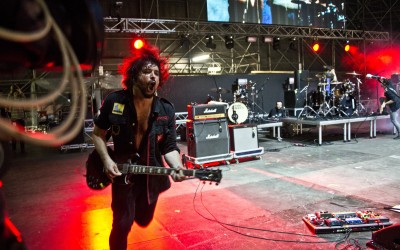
(324, 222)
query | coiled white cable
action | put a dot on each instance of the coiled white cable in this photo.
(71, 74)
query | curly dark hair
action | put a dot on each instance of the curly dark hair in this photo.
(133, 64)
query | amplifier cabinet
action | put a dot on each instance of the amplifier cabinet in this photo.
(243, 137)
(207, 138)
(206, 112)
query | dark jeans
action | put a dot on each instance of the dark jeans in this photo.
(129, 204)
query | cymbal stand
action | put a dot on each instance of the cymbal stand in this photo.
(360, 107)
(254, 105)
(219, 92)
(307, 108)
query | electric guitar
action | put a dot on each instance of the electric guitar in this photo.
(97, 179)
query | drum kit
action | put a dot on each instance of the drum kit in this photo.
(244, 100)
(332, 97)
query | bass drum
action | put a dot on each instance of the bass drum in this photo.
(238, 113)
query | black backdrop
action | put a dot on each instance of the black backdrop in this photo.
(184, 90)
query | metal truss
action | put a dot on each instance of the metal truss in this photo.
(244, 57)
(163, 26)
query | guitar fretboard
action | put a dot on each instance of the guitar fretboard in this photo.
(140, 169)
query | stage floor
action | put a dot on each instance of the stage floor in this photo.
(259, 204)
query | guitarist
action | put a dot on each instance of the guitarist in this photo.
(142, 126)
(392, 100)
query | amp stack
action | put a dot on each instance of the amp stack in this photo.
(210, 139)
(207, 134)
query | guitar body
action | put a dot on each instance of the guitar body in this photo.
(95, 177)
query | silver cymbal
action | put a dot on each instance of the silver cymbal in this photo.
(353, 73)
(308, 79)
(220, 90)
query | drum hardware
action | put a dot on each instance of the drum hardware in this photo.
(360, 107)
(307, 108)
(220, 91)
(254, 105)
(325, 108)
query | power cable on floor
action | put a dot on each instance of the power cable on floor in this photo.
(227, 225)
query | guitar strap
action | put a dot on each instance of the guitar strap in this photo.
(108, 134)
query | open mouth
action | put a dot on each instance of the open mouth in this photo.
(152, 85)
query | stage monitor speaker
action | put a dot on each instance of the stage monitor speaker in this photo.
(294, 100)
(243, 137)
(388, 237)
(207, 138)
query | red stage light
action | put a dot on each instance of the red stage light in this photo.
(138, 43)
(315, 46)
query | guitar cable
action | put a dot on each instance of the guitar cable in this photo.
(227, 225)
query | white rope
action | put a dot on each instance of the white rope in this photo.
(72, 74)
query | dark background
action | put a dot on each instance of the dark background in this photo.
(184, 90)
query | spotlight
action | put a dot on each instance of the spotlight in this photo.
(315, 46)
(209, 43)
(138, 43)
(184, 41)
(201, 58)
(292, 44)
(347, 46)
(276, 43)
(251, 39)
(229, 42)
(267, 39)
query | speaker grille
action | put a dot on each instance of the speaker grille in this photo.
(207, 138)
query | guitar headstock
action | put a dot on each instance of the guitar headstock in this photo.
(214, 175)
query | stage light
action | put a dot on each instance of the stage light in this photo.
(229, 44)
(315, 46)
(347, 46)
(292, 44)
(276, 43)
(267, 39)
(200, 58)
(184, 41)
(138, 43)
(251, 39)
(209, 43)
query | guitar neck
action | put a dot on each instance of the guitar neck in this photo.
(128, 168)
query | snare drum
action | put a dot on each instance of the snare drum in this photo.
(238, 112)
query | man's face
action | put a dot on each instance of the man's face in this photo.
(148, 80)
(279, 105)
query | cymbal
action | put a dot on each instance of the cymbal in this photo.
(353, 73)
(334, 83)
(308, 79)
(324, 75)
(220, 90)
